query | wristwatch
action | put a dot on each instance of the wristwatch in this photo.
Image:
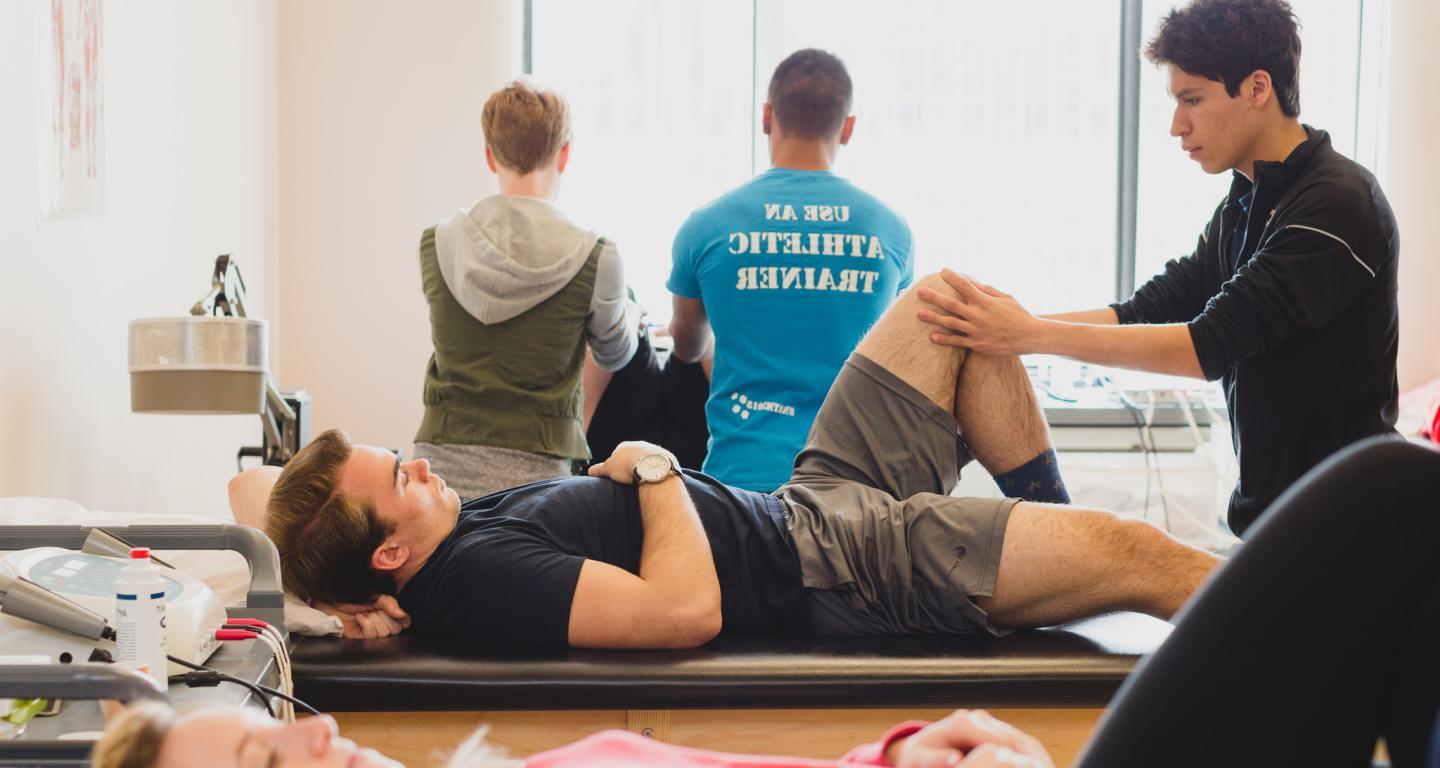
(655, 468)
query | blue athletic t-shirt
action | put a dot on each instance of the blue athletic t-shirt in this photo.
(506, 574)
(793, 268)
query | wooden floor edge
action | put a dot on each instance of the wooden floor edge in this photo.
(424, 739)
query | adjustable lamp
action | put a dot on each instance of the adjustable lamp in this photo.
(214, 362)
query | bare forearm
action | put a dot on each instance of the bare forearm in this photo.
(690, 327)
(1157, 348)
(1102, 316)
(675, 553)
(673, 600)
(692, 345)
(594, 381)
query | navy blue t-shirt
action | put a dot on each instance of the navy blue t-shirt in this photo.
(506, 575)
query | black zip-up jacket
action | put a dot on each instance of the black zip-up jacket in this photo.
(1290, 297)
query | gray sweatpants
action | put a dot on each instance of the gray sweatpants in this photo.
(480, 470)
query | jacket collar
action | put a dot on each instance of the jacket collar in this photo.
(1277, 175)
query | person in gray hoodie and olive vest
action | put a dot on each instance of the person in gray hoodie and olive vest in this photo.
(516, 292)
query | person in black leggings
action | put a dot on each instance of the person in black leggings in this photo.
(1321, 635)
(661, 403)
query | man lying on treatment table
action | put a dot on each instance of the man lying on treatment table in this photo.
(863, 539)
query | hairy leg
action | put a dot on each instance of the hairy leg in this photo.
(998, 415)
(1064, 563)
(900, 343)
(991, 397)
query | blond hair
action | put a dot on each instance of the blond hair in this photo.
(525, 126)
(133, 739)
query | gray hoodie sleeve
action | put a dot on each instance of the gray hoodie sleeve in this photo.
(614, 326)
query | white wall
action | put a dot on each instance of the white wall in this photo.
(379, 138)
(1412, 182)
(190, 147)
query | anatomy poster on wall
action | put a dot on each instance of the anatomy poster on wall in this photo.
(71, 108)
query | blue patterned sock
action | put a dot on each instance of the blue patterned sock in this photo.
(1036, 480)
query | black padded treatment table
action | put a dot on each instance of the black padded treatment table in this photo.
(808, 696)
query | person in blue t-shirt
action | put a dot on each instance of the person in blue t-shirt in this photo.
(789, 270)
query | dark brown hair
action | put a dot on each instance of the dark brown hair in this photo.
(525, 126)
(810, 94)
(325, 539)
(1227, 40)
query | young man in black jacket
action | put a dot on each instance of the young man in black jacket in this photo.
(1290, 296)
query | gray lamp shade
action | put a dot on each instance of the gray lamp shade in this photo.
(197, 365)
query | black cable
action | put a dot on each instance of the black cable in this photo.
(1134, 411)
(189, 665)
(258, 688)
(1160, 480)
(289, 698)
(274, 691)
(1148, 447)
(209, 678)
(1159, 469)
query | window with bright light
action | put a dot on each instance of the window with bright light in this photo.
(998, 147)
(992, 127)
(660, 99)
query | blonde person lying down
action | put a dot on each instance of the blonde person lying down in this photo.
(152, 736)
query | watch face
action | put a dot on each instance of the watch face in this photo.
(652, 468)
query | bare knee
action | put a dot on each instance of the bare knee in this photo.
(936, 283)
(900, 343)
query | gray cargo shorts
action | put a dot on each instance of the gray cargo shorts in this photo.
(883, 548)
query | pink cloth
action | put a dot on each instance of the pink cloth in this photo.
(623, 749)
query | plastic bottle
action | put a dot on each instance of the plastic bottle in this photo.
(140, 616)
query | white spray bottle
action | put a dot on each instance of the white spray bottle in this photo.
(140, 616)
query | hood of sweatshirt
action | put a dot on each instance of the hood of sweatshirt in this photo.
(508, 254)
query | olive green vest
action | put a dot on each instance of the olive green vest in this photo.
(513, 384)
